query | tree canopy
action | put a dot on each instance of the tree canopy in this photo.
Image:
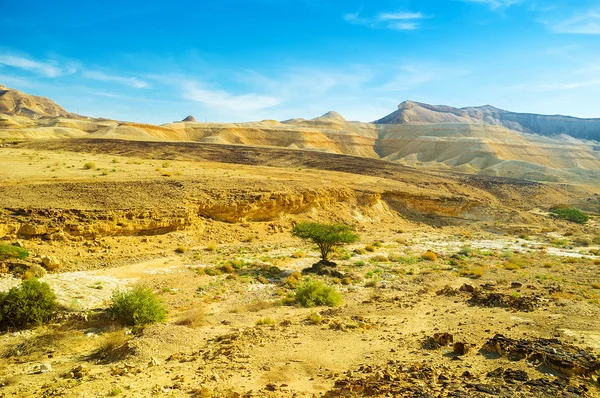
(325, 236)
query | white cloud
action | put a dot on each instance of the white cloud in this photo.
(585, 23)
(412, 76)
(127, 81)
(403, 26)
(496, 4)
(400, 20)
(42, 68)
(221, 99)
(395, 16)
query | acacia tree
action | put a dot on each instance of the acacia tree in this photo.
(325, 236)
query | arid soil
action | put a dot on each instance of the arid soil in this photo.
(508, 304)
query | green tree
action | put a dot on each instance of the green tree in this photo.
(325, 236)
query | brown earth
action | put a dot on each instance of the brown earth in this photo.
(172, 215)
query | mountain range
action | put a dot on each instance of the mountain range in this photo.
(477, 140)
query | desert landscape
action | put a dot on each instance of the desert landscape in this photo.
(475, 270)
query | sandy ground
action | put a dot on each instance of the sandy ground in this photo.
(229, 333)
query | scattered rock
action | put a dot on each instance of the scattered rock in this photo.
(41, 368)
(561, 357)
(79, 372)
(460, 348)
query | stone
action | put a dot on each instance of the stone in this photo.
(154, 362)
(50, 262)
(79, 372)
(460, 348)
(41, 368)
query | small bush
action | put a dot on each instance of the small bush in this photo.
(137, 307)
(292, 280)
(315, 319)
(312, 293)
(582, 242)
(36, 270)
(298, 254)
(265, 321)
(570, 214)
(429, 256)
(211, 247)
(395, 257)
(378, 259)
(8, 252)
(182, 249)
(194, 318)
(511, 266)
(89, 166)
(370, 248)
(111, 344)
(466, 251)
(472, 272)
(227, 268)
(33, 303)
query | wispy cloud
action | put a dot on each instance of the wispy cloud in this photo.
(557, 86)
(411, 76)
(496, 4)
(221, 99)
(400, 20)
(585, 23)
(104, 77)
(43, 68)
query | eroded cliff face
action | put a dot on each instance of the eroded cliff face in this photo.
(238, 206)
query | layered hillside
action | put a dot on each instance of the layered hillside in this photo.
(546, 125)
(476, 140)
(14, 102)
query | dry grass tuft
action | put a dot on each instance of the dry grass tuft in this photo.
(429, 256)
(193, 318)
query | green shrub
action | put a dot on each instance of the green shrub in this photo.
(8, 252)
(137, 307)
(570, 214)
(312, 293)
(33, 303)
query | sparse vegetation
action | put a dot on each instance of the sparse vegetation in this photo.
(325, 236)
(33, 303)
(314, 293)
(137, 307)
(429, 256)
(265, 321)
(89, 166)
(8, 252)
(570, 214)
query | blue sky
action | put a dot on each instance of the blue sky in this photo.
(241, 60)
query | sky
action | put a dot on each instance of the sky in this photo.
(246, 60)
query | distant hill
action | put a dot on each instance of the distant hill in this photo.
(476, 140)
(546, 125)
(14, 102)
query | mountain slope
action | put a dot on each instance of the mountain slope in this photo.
(14, 102)
(546, 125)
(477, 140)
